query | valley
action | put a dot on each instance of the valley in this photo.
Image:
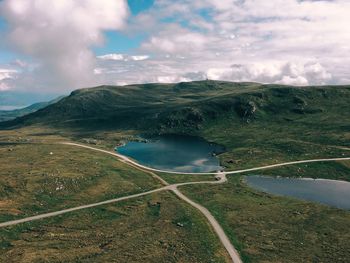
(295, 132)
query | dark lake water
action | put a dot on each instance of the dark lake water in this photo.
(175, 153)
(330, 192)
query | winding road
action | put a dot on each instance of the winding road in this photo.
(130, 161)
(234, 255)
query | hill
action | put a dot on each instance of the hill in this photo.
(6, 115)
(257, 124)
(12, 99)
(188, 107)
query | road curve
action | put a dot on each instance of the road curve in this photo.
(222, 178)
(130, 161)
(216, 226)
(233, 253)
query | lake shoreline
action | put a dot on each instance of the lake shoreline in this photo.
(334, 193)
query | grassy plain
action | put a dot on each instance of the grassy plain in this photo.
(156, 228)
(257, 124)
(38, 176)
(269, 228)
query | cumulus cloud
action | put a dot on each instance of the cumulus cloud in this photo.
(59, 35)
(296, 42)
(111, 57)
(284, 73)
(139, 58)
(121, 57)
(172, 79)
(6, 75)
(284, 41)
(175, 39)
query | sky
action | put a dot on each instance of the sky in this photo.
(59, 46)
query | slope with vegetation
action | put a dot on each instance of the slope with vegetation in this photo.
(258, 125)
(7, 115)
(50, 177)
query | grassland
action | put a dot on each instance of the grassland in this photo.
(263, 143)
(157, 228)
(269, 228)
(326, 170)
(257, 124)
(38, 176)
(183, 178)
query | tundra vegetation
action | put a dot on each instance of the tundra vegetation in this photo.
(257, 124)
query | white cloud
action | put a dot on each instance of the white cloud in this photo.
(284, 73)
(175, 39)
(59, 35)
(6, 75)
(121, 57)
(297, 81)
(283, 41)
(111, 57)
(139, 58)
(98, 71)
(172, 79)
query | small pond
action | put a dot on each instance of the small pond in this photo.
(175, 153)
(330, 192)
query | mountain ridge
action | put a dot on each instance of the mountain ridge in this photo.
(184, 106)
(7, 115)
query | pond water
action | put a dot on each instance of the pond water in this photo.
(175, 153)
(330, 192)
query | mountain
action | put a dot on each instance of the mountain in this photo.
(10, 99)
(192, 106)
(6, 115)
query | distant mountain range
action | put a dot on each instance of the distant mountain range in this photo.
(6, 115)
(11, 99)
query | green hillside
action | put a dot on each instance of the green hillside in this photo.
(7, 115)
(188, 107)
(257, 124)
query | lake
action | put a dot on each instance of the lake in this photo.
(175, 153)
(330, 192)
